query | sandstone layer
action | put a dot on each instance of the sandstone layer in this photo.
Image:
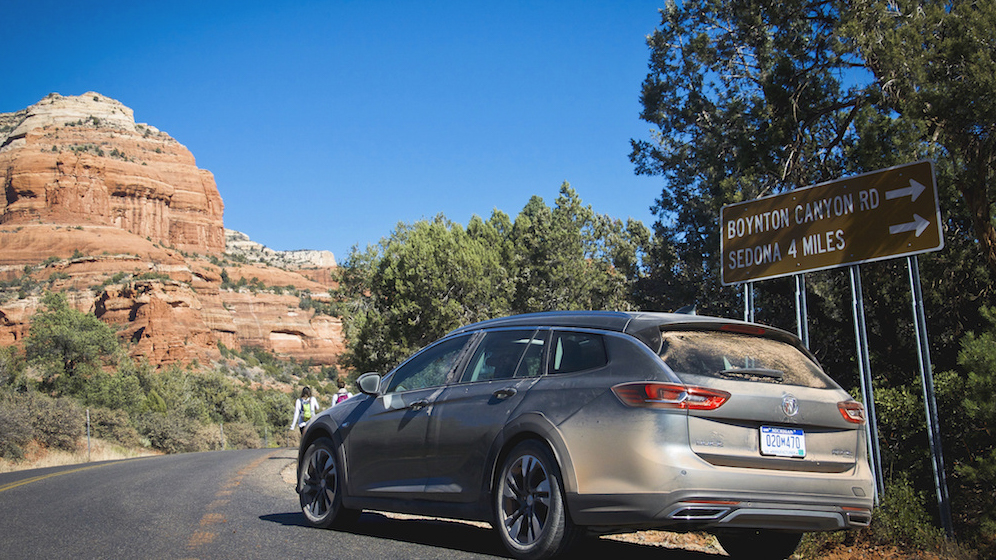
(167, 307)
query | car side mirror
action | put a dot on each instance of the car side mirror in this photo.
(369, 383)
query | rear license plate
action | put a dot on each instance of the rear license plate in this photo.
(783, 442)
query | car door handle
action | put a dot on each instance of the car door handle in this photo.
(419, 405)
(504, 393)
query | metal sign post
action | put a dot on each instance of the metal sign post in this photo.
(88, 435)
(930, 403)
(801, 309)
(749, 302)
(864, 372)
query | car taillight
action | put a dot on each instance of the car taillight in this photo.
(852, 411)
(647, 394)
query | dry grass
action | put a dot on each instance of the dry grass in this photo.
(37, 457)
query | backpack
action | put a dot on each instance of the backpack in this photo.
(306, 410)
(341, 397)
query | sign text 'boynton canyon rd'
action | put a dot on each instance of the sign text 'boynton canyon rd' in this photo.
(879, 215)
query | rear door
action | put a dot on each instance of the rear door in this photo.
(784, 412)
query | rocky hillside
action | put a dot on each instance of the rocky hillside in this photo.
(117, 215)
(238, 243)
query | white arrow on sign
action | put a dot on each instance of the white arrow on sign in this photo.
(918, 225)
(914, 191)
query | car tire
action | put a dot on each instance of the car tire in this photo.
(320, 486)
(530, 514)
(759, 544)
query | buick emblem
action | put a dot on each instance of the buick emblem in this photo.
(790, 405)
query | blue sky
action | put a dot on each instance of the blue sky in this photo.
(326, 123)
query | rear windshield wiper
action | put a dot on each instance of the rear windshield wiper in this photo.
(754, 372)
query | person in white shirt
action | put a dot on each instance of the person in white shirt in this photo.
(305, 408)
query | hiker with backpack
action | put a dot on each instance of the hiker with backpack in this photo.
(305, 408)
(342, 394)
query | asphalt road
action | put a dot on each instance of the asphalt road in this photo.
(223, 504)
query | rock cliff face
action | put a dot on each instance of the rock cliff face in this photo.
(117, 216)
(84, 160)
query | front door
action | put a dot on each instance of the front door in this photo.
(386, 446)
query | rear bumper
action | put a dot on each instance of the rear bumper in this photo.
(687, 511)
(771, 516)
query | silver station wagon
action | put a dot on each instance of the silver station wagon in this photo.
(553, 425)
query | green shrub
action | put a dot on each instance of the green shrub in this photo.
(58, 423)
(15, 428)
(12, 369)
(207, 438)
(902, 519)
(168, 432)
(153, 276)
(113, 425)
(242, 435)
(286, 438)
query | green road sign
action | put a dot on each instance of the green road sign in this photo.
(875, 216)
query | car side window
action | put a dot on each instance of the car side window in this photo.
(428, 368)
(499, 355)
(576, 351)
(531, 364)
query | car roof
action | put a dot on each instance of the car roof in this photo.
(622, 321)
(644, 325)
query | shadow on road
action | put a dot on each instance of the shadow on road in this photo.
(287, 519)
(284, 455)
(456, 535)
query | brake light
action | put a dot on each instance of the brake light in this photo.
(852, 411)
(669, 395)
(744, 329)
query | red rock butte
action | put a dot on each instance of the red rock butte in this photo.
(84, 160)
(117, 216)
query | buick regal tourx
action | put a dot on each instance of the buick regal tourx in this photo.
(552, 425)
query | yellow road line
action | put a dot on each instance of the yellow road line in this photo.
(12, 485)
(6, 487)
(204, 536)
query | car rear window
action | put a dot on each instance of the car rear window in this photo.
(729, 355)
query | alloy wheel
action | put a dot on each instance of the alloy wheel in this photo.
(525, 500)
